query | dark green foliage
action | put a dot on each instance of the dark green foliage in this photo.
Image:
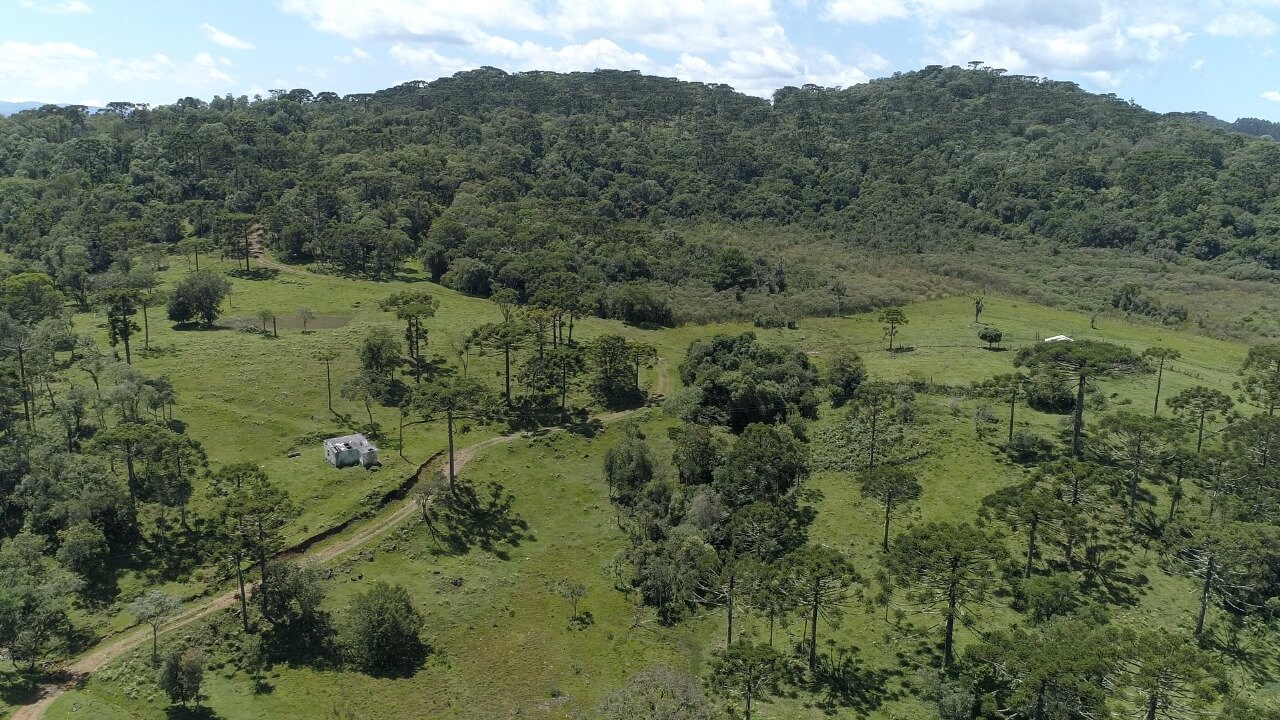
(1082, 362)
(381, 631)
(615, 370)
(198, 296)
(765, 463)
(1260, 385)
(181, 675)
(628, 467)
(749, 671)
(893, 487)
(742, 381)
(845, 373)
(990, 335)
(1059, 671)
(698, 452)
(299, 629)
(945, 568)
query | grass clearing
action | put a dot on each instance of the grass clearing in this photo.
(501, 641)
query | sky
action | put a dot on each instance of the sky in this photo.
(1217, 56)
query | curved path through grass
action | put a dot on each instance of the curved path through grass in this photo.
(391, 515)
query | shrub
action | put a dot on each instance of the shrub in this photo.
(1027, 447)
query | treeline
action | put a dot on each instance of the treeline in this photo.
(498, 181)
(724, 526)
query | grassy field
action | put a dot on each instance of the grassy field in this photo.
(501, 642)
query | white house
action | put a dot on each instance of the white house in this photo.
(350, 450)
(1059, 338)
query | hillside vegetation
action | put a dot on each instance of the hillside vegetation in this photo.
(690, 405)
(666, 201)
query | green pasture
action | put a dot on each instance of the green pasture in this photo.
(501, 642)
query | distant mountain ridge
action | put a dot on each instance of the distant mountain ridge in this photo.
(9, 108)
(1254, 127)
(12, 108)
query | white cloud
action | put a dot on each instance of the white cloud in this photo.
(431, 20)
(1241, 24)
(427, 61)
(1272, 95)
(1198, 65)
(64, 7)
(45, 71)
(225, 39)
(356, 55)
(866, 11)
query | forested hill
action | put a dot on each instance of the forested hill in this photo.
(497, 179)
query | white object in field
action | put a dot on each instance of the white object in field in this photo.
(350, 450)
(1059, 338)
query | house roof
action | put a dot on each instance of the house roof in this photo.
(357, 441)
(1058, 338)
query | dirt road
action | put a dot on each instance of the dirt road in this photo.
(364, 534)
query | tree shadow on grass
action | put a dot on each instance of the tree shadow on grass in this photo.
(843, 682)
(18, 687)
(587, 428)
(1245, 649)
(1103, 571)
(258, 273)
(463, 519)
(190, 712)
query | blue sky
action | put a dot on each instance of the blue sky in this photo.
(1213, 55)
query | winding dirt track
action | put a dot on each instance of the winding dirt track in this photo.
(392, 515)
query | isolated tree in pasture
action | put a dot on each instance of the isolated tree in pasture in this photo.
(382, 630)
(1260, 377)
(893, 487)
(1161, 356)
(1200, 405)
(305, 315)
(990, 335)
(198, 296)
(892, 319)
(978, 306)
(327, 356)
(453, 398)
(747, 670)
(154, 608)
(945, 568)
(1085, 362)
(182, 675)
(267, 316)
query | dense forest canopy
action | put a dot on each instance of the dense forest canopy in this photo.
(518, 181)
